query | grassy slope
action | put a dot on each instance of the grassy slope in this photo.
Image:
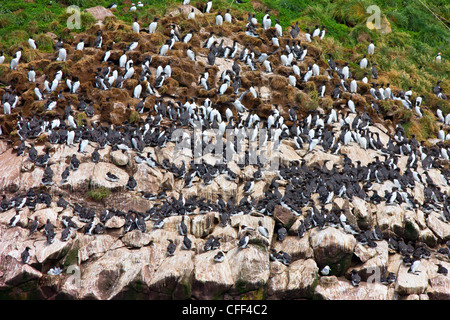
(406, 54)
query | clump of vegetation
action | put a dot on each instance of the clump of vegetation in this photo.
(134, 117)
(44, 42)
(98, 194)
(79, 118)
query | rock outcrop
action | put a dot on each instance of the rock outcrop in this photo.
(310, 221)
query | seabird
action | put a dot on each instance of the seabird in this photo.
(414, 266)
(371, 48)
(263, 230)
(219, 257)
(15, 219)
(325, 270)
(131, 184)
(25, 256)
(243, 242)
(281, 232)
(208, 6)
(49, 232)
(65, 234)
(438, 58)
(248, 187)
(111, 177)
(182, 227)
(442, 270)
(74, 163)
(112, 6)
(355, 278)
(34, 225)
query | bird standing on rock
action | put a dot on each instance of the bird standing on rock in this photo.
(243, 242)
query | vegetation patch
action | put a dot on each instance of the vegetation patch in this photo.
(98, 194)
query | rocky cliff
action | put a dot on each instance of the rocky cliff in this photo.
(372, 203)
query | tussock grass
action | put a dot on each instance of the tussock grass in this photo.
(404, 56)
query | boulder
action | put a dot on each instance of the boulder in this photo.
(56, 250)
(362, 212)
(119, 158)
(284, 215)
(297, 248)
(11, 167)
(439, 287)
(320, 157)
(184, 10)
(332, 247)
(202, 225)
(173, 276)
(15, 272)
(211, 279)
(390, 218)
(249, 268)
(332, 288)
(94, 246)
(278, 280)
(148, 179)
(136, 239)
(99, 12)
(98, 177)
(440, 228)
(303, 276)
(112, 274)
(411, 227)
(44, 214)
(13, 240)
(409, 283)
(115, 223)
(375, 261)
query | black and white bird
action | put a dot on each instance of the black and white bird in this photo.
(248, 187)
(74, 163)
(263, 230)
(182, 227)
(112, 6)
(441, 269)
(281, 232)
(65, 234)
(34, 225)
(219, 257)
(111, 177)
(187, 243)
(171, 247)
(191, 54)
(15, 219)
(243, 241)
(355, 278)
(414, 266)
(25, 256)
(131, 184)
(208, 6)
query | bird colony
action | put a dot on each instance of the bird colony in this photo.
(332, 203)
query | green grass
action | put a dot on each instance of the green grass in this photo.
(98, 194)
